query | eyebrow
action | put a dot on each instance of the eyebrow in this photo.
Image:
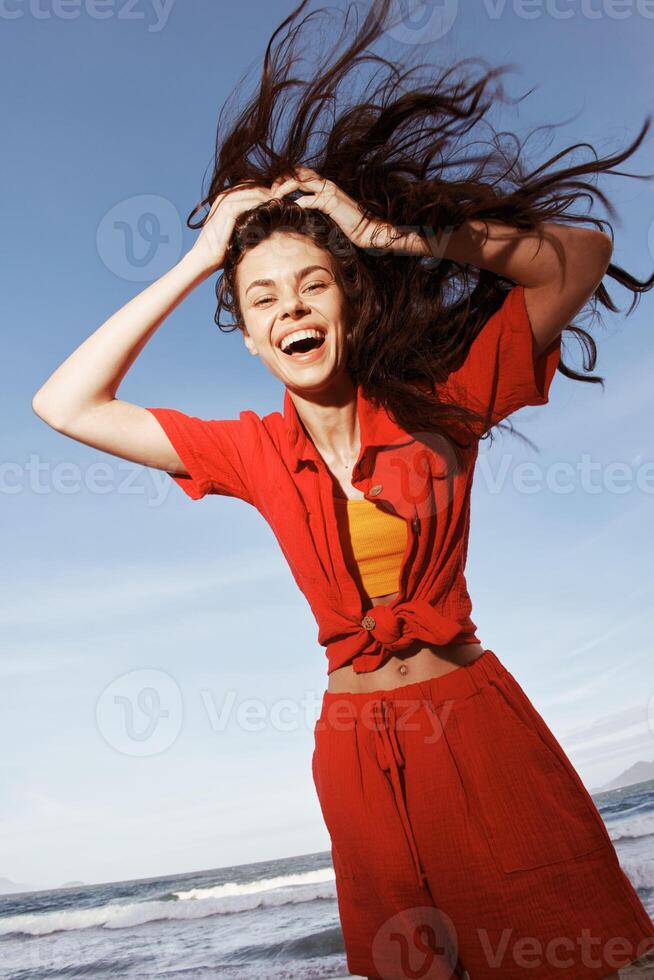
(299, 275)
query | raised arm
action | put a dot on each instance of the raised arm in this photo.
(79, 398)
(560, 268)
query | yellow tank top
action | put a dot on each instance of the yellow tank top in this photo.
(378, 541)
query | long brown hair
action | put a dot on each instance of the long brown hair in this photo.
(392, 149)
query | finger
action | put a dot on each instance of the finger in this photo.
(277, 182)
(286, 185)
(314, 184)
(309, 201)
(311, 176)
(307, 172)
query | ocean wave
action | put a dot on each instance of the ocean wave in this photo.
(232, 888)
(197, 903)
(640, 873)
(631, 827)
(325, 942)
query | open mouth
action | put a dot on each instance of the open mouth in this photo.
(304, 345)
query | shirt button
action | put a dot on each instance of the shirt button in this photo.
(376, 489)
(368, 623)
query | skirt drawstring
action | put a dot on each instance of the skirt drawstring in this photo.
(391, 760)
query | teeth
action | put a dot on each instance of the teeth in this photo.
(300, 335)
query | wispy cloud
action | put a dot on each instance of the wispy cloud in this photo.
(596, 678)
(84, 593)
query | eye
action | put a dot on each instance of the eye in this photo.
(264, 299)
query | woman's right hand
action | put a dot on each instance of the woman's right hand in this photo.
(214, 236)
(79, 398)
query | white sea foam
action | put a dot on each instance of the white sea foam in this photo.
(639, 872)
(197, 903)
(631, 827)
(231, 888)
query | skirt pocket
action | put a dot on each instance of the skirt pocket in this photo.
(533, 810)
(535, 723)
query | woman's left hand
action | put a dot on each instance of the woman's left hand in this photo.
(324, 195)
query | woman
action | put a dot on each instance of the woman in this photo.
(463, 840)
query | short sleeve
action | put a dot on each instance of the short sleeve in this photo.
(215, 453)
(501, 372)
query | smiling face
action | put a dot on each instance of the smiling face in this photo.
(288, 291)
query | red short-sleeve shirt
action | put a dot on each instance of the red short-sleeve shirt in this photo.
(271, 463)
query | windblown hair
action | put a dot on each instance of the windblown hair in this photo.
(397, 150)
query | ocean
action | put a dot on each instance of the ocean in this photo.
(274, 919)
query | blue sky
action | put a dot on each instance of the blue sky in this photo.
(133, 615)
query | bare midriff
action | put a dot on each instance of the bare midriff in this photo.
(417, 662)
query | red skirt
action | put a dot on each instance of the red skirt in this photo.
(463, 839)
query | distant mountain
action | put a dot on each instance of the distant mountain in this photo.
(7, 886)
(640, 772)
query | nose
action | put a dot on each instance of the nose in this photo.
(291, 303)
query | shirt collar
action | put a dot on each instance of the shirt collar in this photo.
(375, 425)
